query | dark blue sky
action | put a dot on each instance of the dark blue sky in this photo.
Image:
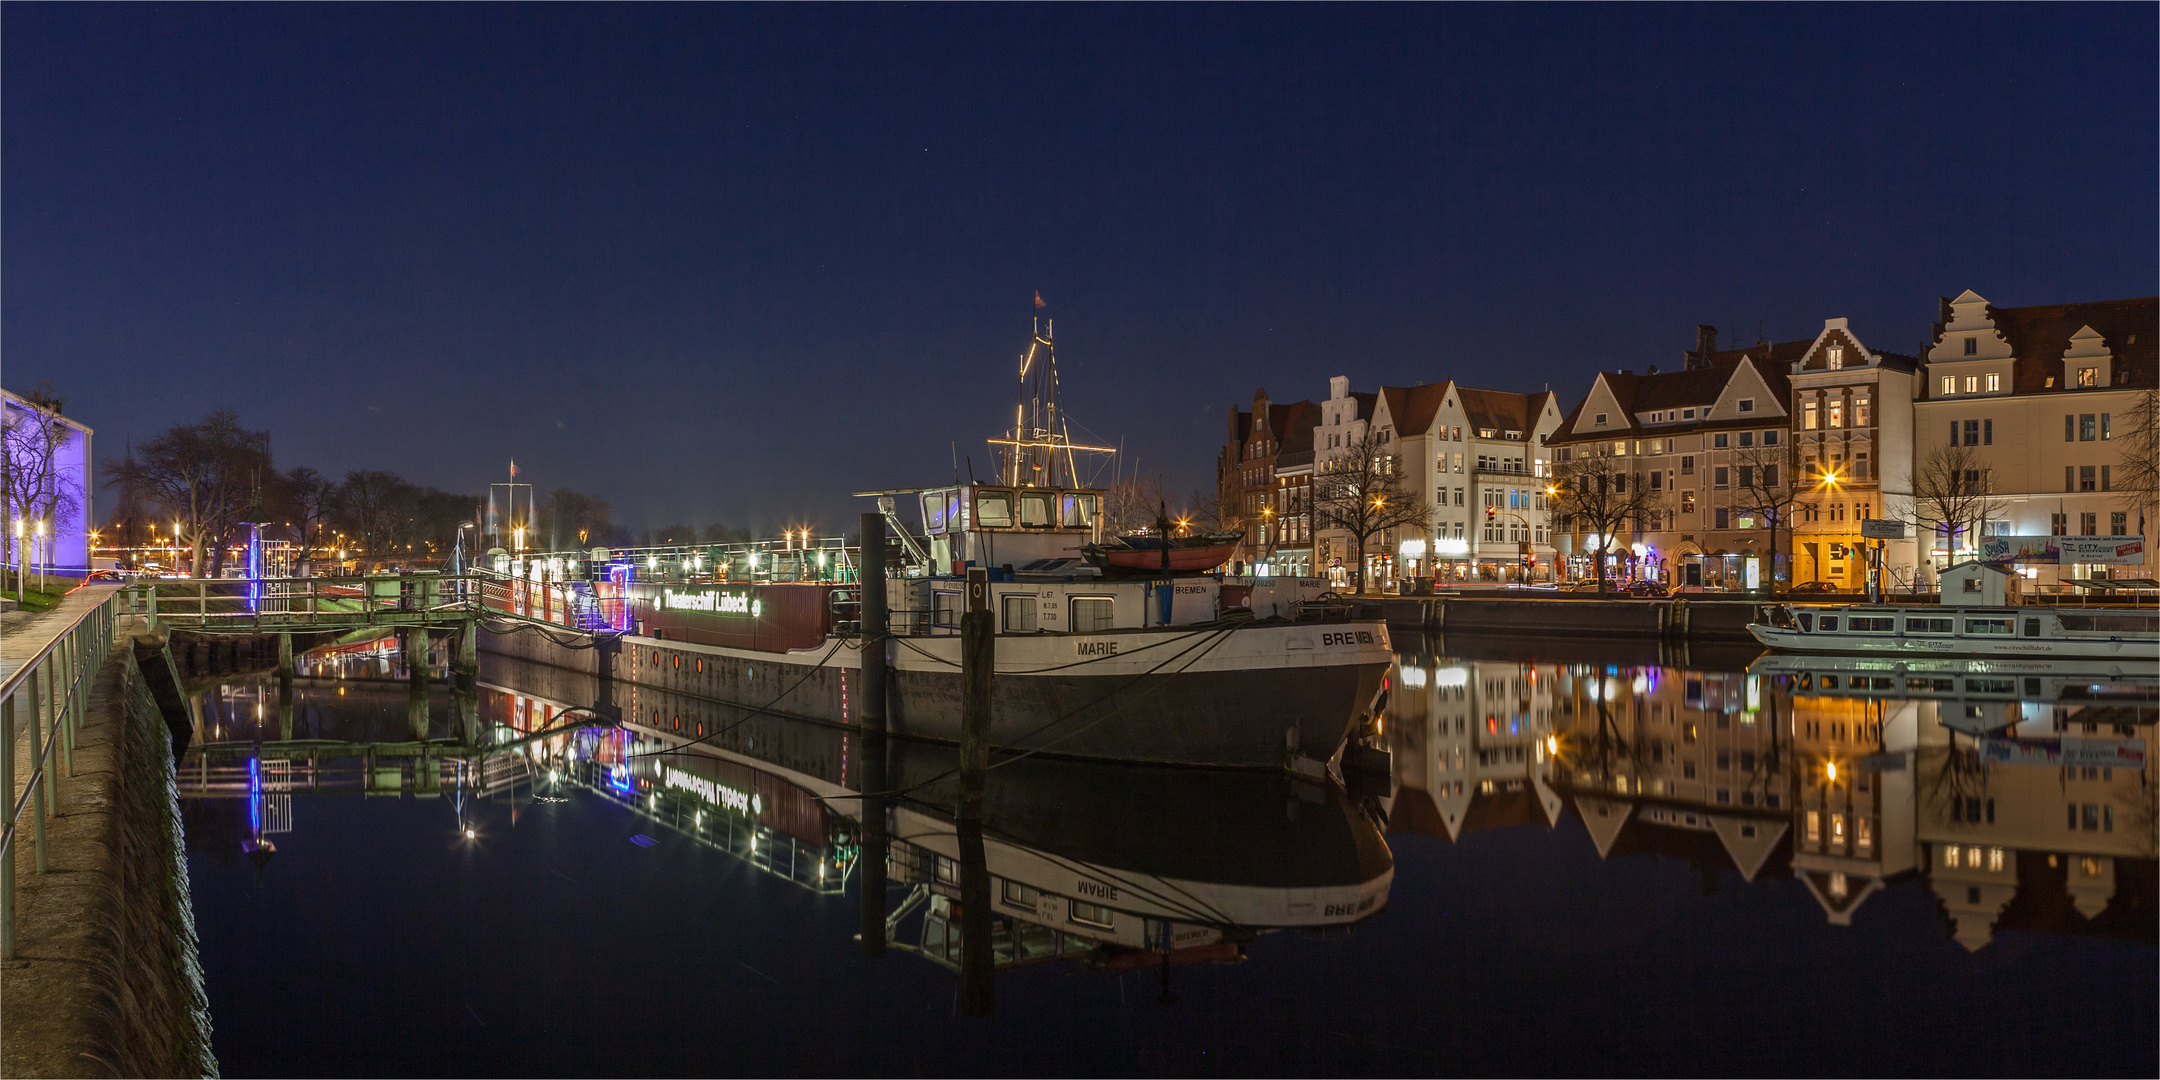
(733, 263)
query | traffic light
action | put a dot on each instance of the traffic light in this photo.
(1491, 512)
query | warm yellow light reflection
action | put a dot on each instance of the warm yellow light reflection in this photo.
(1830, 770)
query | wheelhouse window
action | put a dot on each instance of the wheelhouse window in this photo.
(1077, 511)
(1930, 626)
(1092, 613)
(994, 509)
(1991, 627)
(1872, 624)
(1035, 510)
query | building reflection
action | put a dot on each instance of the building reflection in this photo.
(2023, 796)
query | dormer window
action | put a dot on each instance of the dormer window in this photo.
(1994, 383)
(1688, 414)
(1601, 419)
(1949, 385)
(2088, 376)
(1837, 357)
(1972, 346)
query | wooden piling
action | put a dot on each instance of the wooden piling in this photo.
(416, 698)
(873, 612)
(870, 712)
(977, 656)
(870, 864)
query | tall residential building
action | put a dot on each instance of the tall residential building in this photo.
(1697, 437)
(1853, 437)
(1262, 477)
(2041, 395)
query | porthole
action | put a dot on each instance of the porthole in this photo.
(656, 656)
(701, 665)
(678, 663)
(656, 718)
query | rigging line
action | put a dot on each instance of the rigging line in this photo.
(754, 713)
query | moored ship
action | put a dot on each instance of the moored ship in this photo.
(1982, 615)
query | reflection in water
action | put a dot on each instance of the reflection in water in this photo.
(1834, 793)
(2023, 794)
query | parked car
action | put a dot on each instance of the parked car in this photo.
(1646, 589)
(1813, 588)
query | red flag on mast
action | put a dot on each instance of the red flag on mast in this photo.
(1038, 298)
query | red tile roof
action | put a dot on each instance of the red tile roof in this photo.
(2039, 336)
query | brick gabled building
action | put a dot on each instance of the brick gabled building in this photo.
(1263, 478)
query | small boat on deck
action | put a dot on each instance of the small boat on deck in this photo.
(1143, 555)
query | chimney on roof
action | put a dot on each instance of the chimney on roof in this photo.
(1705, 344)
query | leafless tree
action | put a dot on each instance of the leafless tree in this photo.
(1132, 503)
(1600, 493)
(1362, 493)
(204, 475)
(1953, 489)
(32, 485)
(306, 500)
(1764, 488)
(378, 507)
(2138, 474)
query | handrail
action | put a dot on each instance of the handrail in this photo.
(79, 648)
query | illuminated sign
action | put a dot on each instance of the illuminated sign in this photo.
(720, 603)
(718, 794)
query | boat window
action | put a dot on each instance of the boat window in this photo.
(1829, 624)
(1872, 624)
(1079, 511)
(2032, 627)
(1915, 625)
(1917, 683)
(945, 612)
(1992, 627)
(1091, 613)
(2116, 624)
(936, 510)
(1019, 614)
(1035, 509)
(1019, 895)
(1807, 622)
(993, 509)
(1092, 914)
(1991, 686)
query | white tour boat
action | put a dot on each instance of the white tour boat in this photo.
(1982, 614)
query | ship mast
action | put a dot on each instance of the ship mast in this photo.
(1038, 450)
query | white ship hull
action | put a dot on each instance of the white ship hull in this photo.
(2009, 632)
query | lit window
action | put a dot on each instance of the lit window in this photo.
(1807, 416)
(1995, 858)
(1837, 357)
(2088, 376)
(1860, 412)
(1837, 415)
(1972, 384)
(1950, 855)
(1949, 384)
(1994, 383)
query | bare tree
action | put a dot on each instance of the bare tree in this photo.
(1954, 490)
(306, 499)
(1764, 489)
(1597, 492)
(1362, 493)
(31, 484)
(1131, 504)
(2138, 474)
(378, 509)
(203, 475)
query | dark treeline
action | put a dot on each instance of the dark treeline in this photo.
(210, 478)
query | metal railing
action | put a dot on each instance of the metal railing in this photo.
(301, 603)
(50, 690)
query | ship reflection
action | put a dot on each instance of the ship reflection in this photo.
(2022, 794)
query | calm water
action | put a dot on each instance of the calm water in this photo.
(1587, 861)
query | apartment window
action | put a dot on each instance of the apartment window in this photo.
(1837, 414)
(1807, 417)
(2087, 427)
(1972, 384)
(1860, 467)
(1601, 419)
(1718, 475)
(1091, 613)
(1987, 432)
(2107, 427)
(1949, 385)
(2087, 480)
(1687, 414)
(1687, 464)
(1747, 404)
(1972, 433)
(2069, 428)
(1837, 357)
(1747, 438)
(1718, 440)
(2117, 522)
(1657, 481)
(1723, 517)
(1769, 438)
(2088, 376)
(1747, 476)
(1994, 382)
(1769, 475)
(1687, 502)
(2058, 524)
(1019, 614)
(2088, 524)
(1972, 346)
(2104, 484)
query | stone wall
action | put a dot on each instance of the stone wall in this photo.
(106, 979)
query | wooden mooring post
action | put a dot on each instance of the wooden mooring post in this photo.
(978, 995)
(870, 709)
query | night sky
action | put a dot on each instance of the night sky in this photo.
(733, 263)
